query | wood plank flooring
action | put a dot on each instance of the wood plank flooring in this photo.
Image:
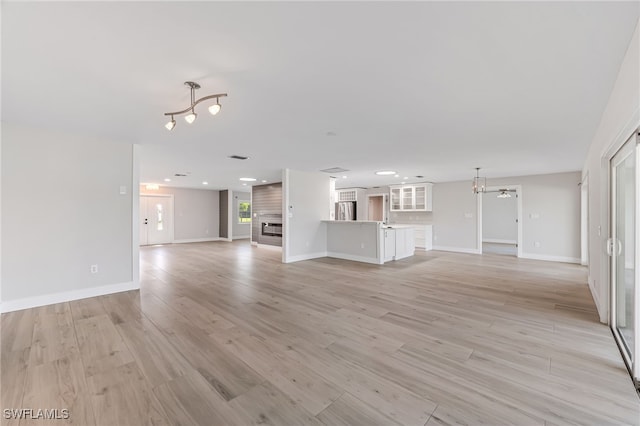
(224, 334)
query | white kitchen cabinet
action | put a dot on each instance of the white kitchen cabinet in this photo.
(389, 244)
(424, 236)
(412, 198)
(398, 243)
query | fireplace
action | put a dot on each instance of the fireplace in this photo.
(270, 231)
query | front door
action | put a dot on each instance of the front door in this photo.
(156, 220)
(622, 249)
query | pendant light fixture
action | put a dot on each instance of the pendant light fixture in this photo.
(190, 111)
(479, 183)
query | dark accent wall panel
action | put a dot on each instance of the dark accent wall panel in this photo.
(224, 214)
(266, 199)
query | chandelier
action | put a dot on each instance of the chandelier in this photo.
(190, 111)
(479, 183)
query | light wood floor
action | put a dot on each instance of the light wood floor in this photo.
(224, 334)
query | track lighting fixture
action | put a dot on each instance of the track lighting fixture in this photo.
(190, 111)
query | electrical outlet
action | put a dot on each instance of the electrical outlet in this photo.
(536, 244)
(94, 269)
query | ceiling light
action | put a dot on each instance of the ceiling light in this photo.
(385, 173)
(167, 180)
(403, 182)
(479, 183)
(191, 114)
(504, 194)
(215, 108)
(152, 186)
(190, 118)
(248, 179)
(264, 181)
(344, 177)
(205, 183)
(405, 178)
(244, 184)
(396, 176)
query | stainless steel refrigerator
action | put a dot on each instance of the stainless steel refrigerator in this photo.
(346, 210)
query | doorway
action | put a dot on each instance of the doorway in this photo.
(156, 219)
(376, 210)
(501, 222)
(622, 249)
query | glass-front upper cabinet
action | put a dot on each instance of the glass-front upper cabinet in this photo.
(414, 197)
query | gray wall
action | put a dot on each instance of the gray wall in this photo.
(266, 199)
(551, 215)
(499, 218)
(306, 197)
(240, 230)
(620, 119)
(224, 214)
(196, 213)
(62, 212)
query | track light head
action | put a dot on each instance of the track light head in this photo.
(190, 118)
(171, 124)
(215, 108)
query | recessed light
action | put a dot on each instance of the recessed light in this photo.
(397, 176)
(248, 179)
(344, 177)
(244, 184)
(385, 172)
(405, 178)
(205, 183)
(264, 181)
(403, 182)
(167, 180)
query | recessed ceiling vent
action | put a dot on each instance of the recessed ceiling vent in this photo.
(335, 170)
(238, 157)
(180, 175)
(419, 177)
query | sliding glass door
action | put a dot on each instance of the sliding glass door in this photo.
(622, 247)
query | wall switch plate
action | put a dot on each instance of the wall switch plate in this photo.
(94, 269)
(123, 190)
(536, 244)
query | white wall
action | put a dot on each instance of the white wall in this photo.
(551, 216)
(620, 119)
(499, 219)
(62, 212)
(240, 230)
(304, 207)
(454, 217)
(196, 213)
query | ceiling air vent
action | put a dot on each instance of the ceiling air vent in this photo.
(180, 175)
(238, 157)
(335, 170)
(419, 177)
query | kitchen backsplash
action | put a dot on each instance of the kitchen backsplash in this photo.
(425, 218)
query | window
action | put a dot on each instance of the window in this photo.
(244, 212)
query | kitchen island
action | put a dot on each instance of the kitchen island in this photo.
(369, 241)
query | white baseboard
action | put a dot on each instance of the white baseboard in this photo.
(457, 249)
(549, 258)
(355, 258)
(267, 246)
(496, 241)
(66, 296)
(307, 256)
(241, 237)
(225, 239)
(196, 240)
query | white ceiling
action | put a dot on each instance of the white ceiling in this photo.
(424, 88)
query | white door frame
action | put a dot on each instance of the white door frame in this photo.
(171, 208)
(584, 222)
(518, 189)
(632, 365)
